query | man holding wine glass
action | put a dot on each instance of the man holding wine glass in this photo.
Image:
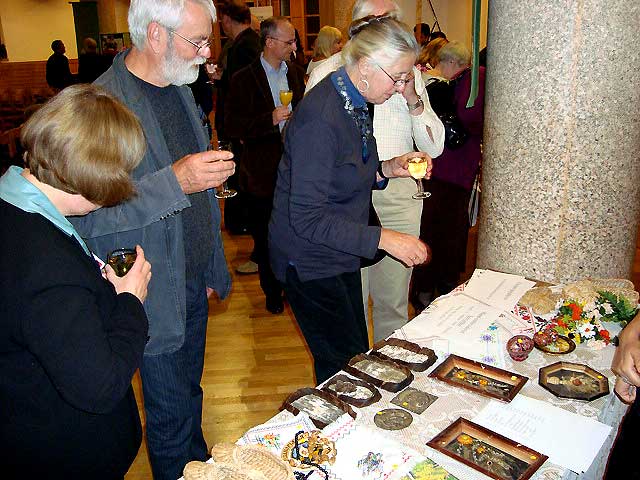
(174, 217)
(260, 100)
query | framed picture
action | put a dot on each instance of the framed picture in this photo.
(573, 380)
(322, 407)
(480, 378)
(486, 451)
(384, 374)
(354, 392)
(405, 353)
(112, 43)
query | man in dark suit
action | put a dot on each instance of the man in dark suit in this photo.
(244, 48)
(58, 73)
(255, 116)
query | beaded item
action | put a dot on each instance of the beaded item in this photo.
(309, 450)
(360, 116)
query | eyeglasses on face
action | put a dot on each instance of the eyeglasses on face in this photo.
(291, 43)
(199, 47)
(399, 83)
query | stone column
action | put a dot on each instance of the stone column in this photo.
(561, 172)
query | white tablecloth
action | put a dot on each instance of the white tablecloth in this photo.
(455, 402)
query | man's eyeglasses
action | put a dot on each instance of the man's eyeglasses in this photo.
(397, 83)
(204, 44)
(291, 43)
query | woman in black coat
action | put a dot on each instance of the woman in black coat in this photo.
(72, 335)
(319, 229)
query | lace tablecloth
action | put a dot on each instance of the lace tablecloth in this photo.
(455, 402)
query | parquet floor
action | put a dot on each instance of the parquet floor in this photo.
(255, 359)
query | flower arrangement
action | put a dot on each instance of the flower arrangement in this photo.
(582, 322)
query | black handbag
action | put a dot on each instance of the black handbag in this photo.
(443, 103)
(455, 134)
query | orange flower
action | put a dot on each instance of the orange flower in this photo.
(605, 335)
(561, 323)
(576, 311)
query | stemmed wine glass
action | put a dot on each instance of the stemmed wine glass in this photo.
(285, 97)
(226, 192)
(418, 169)
(213, 71)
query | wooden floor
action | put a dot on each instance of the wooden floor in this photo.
(255, 359)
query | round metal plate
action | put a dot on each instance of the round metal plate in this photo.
(392, 419)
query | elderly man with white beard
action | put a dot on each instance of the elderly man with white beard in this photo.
(174, 216)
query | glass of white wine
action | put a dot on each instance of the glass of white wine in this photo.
(418, 169)
(226, 192)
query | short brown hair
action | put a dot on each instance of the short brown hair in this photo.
(236, 11)
(84, 141)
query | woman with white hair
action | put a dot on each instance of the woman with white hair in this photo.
(328, 42)
(319, 229)
(445, 218)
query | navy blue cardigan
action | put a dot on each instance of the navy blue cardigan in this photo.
(320, 213)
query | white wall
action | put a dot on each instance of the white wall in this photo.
(454, 17)
(29, 27)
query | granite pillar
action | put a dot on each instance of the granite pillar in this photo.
(561, 171)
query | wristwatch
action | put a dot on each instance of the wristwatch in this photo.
(416, 105)
(380, 172)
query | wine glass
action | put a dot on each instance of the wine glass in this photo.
(226, 192)
(213, 71)
(418, 169)
(285, 97)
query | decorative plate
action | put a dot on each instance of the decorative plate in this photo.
(354, 392)
(384, 374)
(573, 380)
(561, 346)
(405, 353)
(322, 407)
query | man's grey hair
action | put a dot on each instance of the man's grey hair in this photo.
(364, 8)
(165, 12)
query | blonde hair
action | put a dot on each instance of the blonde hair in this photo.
(84, 141)
(429, 53)
(455, 51)
(382, 39)
(327, 38)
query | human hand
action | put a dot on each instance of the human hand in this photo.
(626, 360)
(624, 390)
(398, 166)
(204, 170)
(213, 72)
(280, 114)
(408, 249)
(409, 92)
(137, 278)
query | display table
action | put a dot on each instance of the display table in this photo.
(454, 402)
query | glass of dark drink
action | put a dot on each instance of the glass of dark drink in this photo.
(121, 260)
